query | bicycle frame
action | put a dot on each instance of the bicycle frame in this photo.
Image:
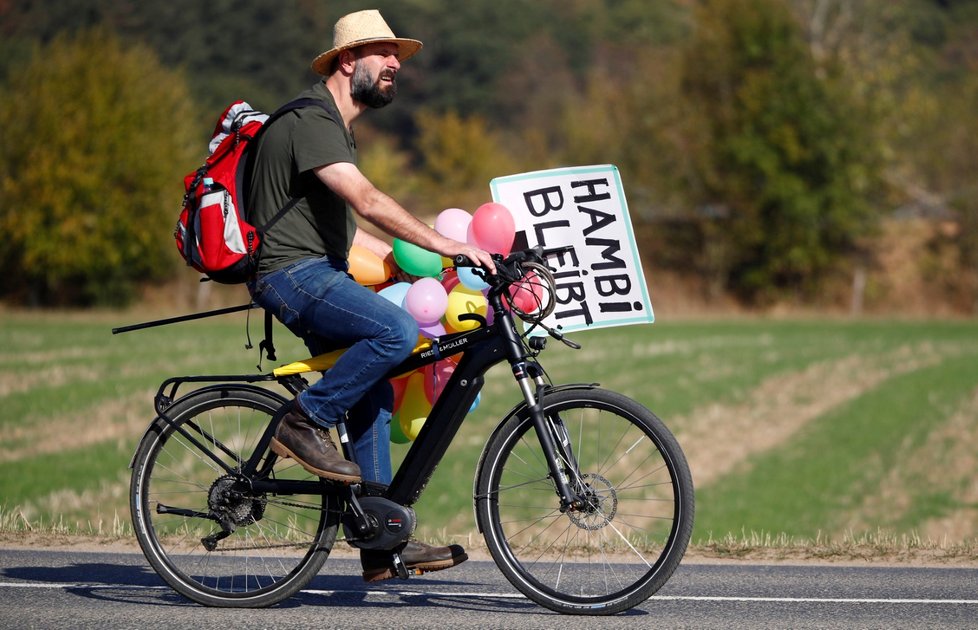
(481, 349)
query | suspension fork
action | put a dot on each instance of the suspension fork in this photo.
(553, 439)
(555, 425)
(528, 373)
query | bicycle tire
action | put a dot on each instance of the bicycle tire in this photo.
(625, 546)
(279, 543)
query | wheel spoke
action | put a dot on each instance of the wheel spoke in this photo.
(631, 529)
(251, 549)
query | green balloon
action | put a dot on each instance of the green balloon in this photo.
(397, 434)
(415, 260)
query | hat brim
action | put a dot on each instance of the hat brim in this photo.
(406, 48)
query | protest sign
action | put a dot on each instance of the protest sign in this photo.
(600, 283)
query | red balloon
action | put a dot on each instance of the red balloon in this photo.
(400, 385)
(493, 228)
(527, 293)
(449, 280)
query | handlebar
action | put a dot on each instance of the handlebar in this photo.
(536, 254)
(510, 271)
(509, 268)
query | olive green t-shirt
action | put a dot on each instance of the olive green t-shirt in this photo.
(289, 149)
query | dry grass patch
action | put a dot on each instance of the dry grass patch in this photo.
(717, 439)
(877, 546)
(105, 504)
(121, 418)
(954, 446)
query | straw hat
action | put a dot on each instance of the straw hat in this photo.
(358, 29)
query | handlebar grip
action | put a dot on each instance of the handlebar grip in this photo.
(462, 260)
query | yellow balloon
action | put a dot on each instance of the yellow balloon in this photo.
(464, 300)
(415, 407)
(411, 428)
(366, 267)
(397, 434)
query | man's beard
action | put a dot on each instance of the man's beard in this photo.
(369, 92)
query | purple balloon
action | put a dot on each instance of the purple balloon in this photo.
(435, 329)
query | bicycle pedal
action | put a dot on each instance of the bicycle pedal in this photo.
(399, 568)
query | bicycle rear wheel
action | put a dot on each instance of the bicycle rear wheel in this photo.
(633, 531)
(183, 503)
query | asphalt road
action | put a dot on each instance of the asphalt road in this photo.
(69, 589)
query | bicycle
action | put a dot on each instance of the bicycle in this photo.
(583, 496)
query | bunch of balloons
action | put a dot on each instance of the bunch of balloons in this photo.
(437, 300)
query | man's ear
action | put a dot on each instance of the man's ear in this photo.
(346, 61)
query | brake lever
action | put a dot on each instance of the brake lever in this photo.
(559, 336)
(502, 271)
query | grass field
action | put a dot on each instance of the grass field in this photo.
(794, 429)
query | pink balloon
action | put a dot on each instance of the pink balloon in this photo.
(453, 223)
(426, 300)
(493, 228)
(436, 377)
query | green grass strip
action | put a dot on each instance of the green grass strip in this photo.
(813, 483)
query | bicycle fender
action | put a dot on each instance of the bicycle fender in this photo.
(519, 407)
(159, 423)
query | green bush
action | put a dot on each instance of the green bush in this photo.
(96, 140)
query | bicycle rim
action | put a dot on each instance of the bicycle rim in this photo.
(278, 542)
(629, 539)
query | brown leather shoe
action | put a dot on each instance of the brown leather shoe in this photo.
(417, 557)
(311, 446)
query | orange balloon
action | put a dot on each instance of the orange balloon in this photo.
(366, 267)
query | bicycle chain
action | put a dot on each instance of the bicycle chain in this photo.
(283, 545)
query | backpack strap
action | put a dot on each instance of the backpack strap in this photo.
(298, 103)
(267, 345)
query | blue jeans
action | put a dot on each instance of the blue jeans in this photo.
(324, 306)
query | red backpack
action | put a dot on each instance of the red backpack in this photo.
(213, 233)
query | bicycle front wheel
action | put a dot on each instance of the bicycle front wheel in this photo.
(632, 531)
(204, 531)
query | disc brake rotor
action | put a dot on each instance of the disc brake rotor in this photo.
(600, 503)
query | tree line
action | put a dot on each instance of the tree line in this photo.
(762, 140)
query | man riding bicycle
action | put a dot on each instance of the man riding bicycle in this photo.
(303, 278)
